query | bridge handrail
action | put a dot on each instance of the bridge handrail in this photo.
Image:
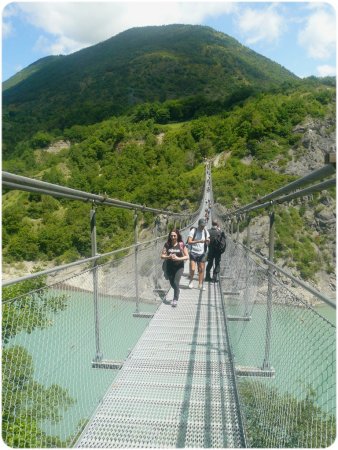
(315, 188)
(82, 261)
(329, 301)
(66, 266)
(20, 182)
(32, 185)
(262, 202)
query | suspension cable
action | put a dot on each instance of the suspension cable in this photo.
(316, 175)
(29, 184)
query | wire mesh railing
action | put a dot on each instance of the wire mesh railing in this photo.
(56, 337)
(283, 339)
(50, 384)
(57, 334)
(286, 374)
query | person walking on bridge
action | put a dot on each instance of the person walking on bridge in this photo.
(175, 253)
(199, 241)
(216, 248)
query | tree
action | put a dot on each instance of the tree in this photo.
(32, 308)
(12, 217)
(23, 245)
(25, 402)
(274, 419)
(41, 140)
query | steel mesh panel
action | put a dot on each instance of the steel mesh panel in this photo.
(176, 387)
(58, 353)
(296, 406)
(168, 434)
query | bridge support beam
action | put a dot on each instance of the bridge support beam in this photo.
(244, 371)
(98, 355)
(266, 362)
(137, 310)
(107, 364)
(143, 315)
(237, 228)
(239, 318)
(246, 292)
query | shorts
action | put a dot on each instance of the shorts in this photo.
(197, 258)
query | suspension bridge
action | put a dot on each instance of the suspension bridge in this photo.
(246, 362)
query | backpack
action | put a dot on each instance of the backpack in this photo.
(219, 242)
(165, 270)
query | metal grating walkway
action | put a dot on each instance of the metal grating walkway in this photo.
(176, 388)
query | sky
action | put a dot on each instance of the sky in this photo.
(301, 36)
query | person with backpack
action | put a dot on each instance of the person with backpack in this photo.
(199, 241)
(174, 254)
(216, 248)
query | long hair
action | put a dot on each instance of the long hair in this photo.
(179, 237)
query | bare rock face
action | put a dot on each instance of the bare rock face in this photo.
(318, 139)
(57, 146)
(326, 217)
(162, 224)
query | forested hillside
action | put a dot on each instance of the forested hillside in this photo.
(239, 109)
(201, 69)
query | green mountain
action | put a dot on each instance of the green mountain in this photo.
(148, 64)
(135, 116)
(28, 71)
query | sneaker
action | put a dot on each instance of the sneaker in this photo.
(174, 303)
(191, 285)
(201, 287)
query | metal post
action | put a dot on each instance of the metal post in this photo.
(98, 356)
(237, 223)
(266, 362)
(137, 310)
(156, 251)
(157, 266)
(246, 292)
(248, 237)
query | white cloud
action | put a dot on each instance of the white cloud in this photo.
(76, 25)
(61, 45)
(42, 44)
(261, 25)
(9, 11)
(319, 35)
(7, 27)
(326, 71)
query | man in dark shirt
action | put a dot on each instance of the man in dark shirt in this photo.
(214, 255)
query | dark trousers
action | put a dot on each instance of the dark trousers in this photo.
(213, 257)
(174, 276)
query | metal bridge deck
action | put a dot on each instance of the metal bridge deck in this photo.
(176, 388)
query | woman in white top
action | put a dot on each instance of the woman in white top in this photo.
(199, 239)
